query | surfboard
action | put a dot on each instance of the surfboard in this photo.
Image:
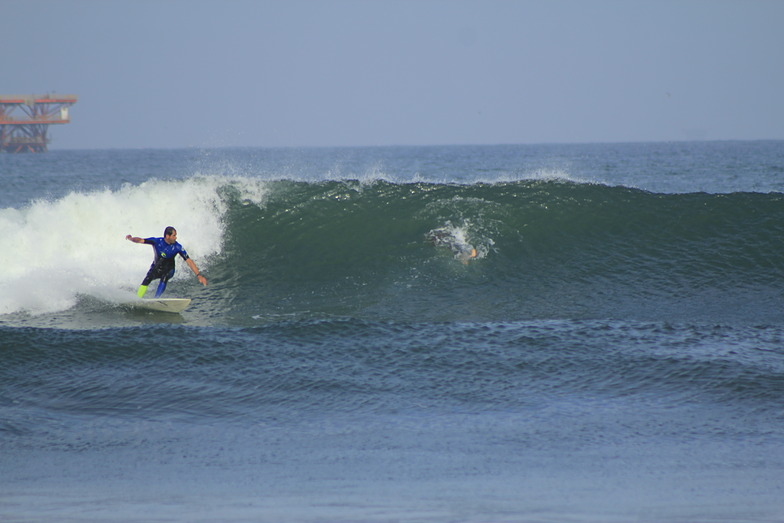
(160, 304)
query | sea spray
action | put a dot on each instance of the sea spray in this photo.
(59, 249)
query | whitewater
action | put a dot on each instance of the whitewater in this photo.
(468, 333)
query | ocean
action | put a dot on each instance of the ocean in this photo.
(512, 333)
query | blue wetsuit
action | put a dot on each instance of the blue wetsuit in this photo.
(163, 266)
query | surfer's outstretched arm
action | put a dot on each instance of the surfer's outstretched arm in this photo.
(199, 276)
(134, 239)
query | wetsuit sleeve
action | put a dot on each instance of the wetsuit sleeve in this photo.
(183, 253)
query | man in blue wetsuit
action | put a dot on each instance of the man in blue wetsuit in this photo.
(166, 249)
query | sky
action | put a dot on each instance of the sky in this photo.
(294, 73)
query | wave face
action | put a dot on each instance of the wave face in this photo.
(381, 250)
(544, 249)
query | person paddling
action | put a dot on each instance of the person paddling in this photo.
(166, 249)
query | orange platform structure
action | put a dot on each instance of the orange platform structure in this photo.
(25, 120)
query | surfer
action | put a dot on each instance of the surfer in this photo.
(166, 249)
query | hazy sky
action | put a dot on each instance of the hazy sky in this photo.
(179, 73)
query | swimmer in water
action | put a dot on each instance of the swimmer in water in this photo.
(444, 238)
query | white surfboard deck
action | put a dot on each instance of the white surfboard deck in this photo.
(160, 304)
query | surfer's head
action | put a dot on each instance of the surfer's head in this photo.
(170, 234)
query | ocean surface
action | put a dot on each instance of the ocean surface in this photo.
(517, 333)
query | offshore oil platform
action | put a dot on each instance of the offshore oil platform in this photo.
(25, 120)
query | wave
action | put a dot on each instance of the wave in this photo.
(543, 247)
(271, 370)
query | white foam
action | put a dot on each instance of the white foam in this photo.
(457, 238)
(56, 250)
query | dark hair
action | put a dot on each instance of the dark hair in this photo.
(168, 231)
